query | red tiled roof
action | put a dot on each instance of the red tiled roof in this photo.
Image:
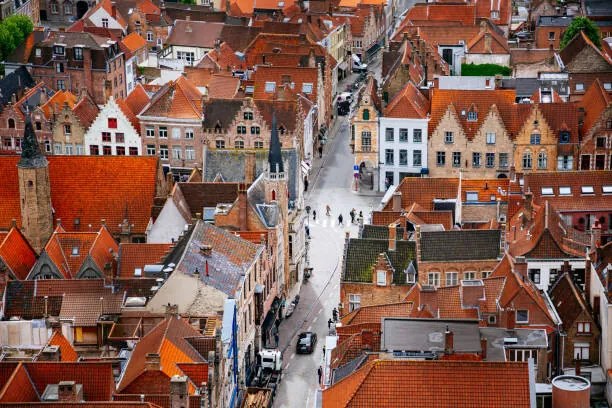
(385, 217)
(464, 13)
(296, 76)
(485, 7)
(86, 111)
(133, 42)
(129, 114)
(67, 352)
(57, 101)
(408, 103)
(179, 99)
(148, 7)
(17, 254)
(137, 99)
(119, 185)
(441, 383)
(132, 256)
(18, 387)
(478, 44)
(375, 313)
(594, 102)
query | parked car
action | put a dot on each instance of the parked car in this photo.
(306, 342)
(523, 35)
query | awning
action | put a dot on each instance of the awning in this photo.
(306, 167)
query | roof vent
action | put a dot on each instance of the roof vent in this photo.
(206, 250)
(138, 272)
(276, 50)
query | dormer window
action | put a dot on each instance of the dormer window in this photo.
(248, 115)
(58, 50)
(366, 114)
(270, 87)
(38, 52)
(75, 250)
(472, 116)
(494, 14)
(381, 278)
(105, 22)
(564, 136)
(307, 88)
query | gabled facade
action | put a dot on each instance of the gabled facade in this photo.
(16, 255)
(112, 133)
(63, 12)
(364, 131)
(596, 141)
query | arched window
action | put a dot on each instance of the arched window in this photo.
(366, 114)
(68, 8)
(273, 195)
(239, 144)
(542, 161)
(11, 123)
(527, 160)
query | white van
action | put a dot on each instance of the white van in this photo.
(358, 66)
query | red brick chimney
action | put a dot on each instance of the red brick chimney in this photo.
(69, 391)
(152, 362)
(528, 205)
(449, 341)
(392, 236)
(367, 339)
(179, 393)
(396, 204)
(242, 206)
(520, 266)
(510, 319)
(483, 348)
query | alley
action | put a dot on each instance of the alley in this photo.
(331, 186)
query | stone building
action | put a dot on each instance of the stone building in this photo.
(364, 132)
(64, 12)
(73, 118)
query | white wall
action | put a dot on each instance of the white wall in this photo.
(98, 15)
(546, 266)
(499, 59)
(131, 71)
(308, 133)
(396, 124)
(168, 226)
(605, 320)
(93, 136)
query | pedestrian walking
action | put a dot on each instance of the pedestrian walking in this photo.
(307, 231)
(276, 338)
(328, 210)
(320, 152)
(352, 213)
(340, 219)
(305, 183)
(335, 314)
(314, 215)
(329, 323)
(320, 373)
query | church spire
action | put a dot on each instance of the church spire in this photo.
(31, 156)
(275, 159)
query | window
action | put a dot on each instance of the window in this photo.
(69, 149)
(581, 351)
(441, 158)
(354, 302)
(601, 142)
(149, 36)
(112, 123)
(475, 159)
(471, 196)
(551, 35)
(535, 139)
(584, 327)
(106, 136)
(176, 133)
(105, 22)
(548, 191)
(490, 158)
(580, 87)
(163, 132)
(389, 156)
(248, 115)
(490, 137)
(133, 151)
(11, 123)
(119, 137)
(8, 142)
(188, 133)
(606, 189)
(239, 144)
(58, 50)
(587, 190)
(527, 160)
(78, 54)
(61, 84)
(120, 150)
(150, 131)
(607, 86)
(381, 278)
(177, 152)
(38, 125)
(107, 150)
(503, 160)
(67, 129)
(59, 67)
(472, 116)
(57, 148)
(54, 8)
(417, 136)
(565, 162)
(189, 153)
(151, 150)
(163, 152)
(80, 150)
(433, 279)
(307, 87)
(403, 135)
(241, 130)
(542, 161)
(388, 134)
(448, 137)
(534, 275)
(259, 144)
(270, 87)
(451, 278)
(522, 316)
(565, 191)
(564, 136)
(456, 159)
(366, 141)
(255, 130)
(403, 157)
(494, 14)
(48, 146)
(366, 114)
(485, 274)
(416, 158)
(469, 275)
(220, 144)
(522, 355)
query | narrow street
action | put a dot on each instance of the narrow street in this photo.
(321, 293)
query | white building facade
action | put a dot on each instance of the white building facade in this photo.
(402, 149)
(112, 134)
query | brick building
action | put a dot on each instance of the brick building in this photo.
(364, 131)
(73, 118)
(596, 141)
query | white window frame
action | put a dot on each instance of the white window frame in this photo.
(176, 133)
(491, 137)
(522, 321)
(354, 301)
(150, 131)
(433, 279)
(584, 328)
(451, 278)
(381, 278)
(582, 351)
(189, 153)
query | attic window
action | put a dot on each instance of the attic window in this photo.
(587, 190)
(472, 116)
(606, 189)
(494, 14)
(471, 196)
(565, 191)
(270, 87)
(281, 4)
(381, 278)
(75, 250)
(249, 89)
(547, 191)
(58, 50)
(608, 86)
(307, 87)
(564, 136)
(38, 52)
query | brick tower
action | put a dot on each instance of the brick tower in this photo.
(34, 190)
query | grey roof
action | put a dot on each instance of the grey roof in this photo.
(554, 21)
(229, 165)
(525, 338)
(31, 156)
(427, 335)
(380, 232)
(460, 245)
(14, 83)
(361, 254)
(524, 87)
(348, 368)
(597, 8)
(275, 160)
(220, 112)
(229, 259)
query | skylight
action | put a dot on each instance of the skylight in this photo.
(548, 191)
(587, 190)
(75, 250)
(307, 87)
(270, 87)
(471, 196)
(607, 189)
(565, 191)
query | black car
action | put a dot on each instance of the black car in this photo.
(306, 342)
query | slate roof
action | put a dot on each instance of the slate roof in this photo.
(361, 255)
(458, 384)
(380, 232)
(460, 245)
(132, 256)
(16, 253)
(220, 112)
(15, 83)
(119, 185)
(230, 258)
(229, 165)
(201, 34)
(200, 195)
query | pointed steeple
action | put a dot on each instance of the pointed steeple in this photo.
(31, 156)
(275, 159)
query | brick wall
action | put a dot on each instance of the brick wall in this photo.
(548, 143)
(371, 294)
(460, 267)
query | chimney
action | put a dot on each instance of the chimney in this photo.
(87, 69)
(483, 348)
(179, 395)
(510, 319)
(528, 204)
(69, 391)
(114, 10)
(152, 362)
(520, 266)
(596, 235)
(170, 310)
(206, 250)
(578, 371)
(487, 43)
(242, 206)
(396, 204)
(449, 346)
(50, 353)
(249, 167)
(392, 236)
(498, 81)
(367, 340)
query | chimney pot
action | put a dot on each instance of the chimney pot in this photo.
(152, 362)
(449, 342)
(483, 348)
(392, 236)
(397, 201)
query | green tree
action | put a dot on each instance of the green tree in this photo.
(7, 44)
(581, 24)
(14, 31)
(23, 22)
